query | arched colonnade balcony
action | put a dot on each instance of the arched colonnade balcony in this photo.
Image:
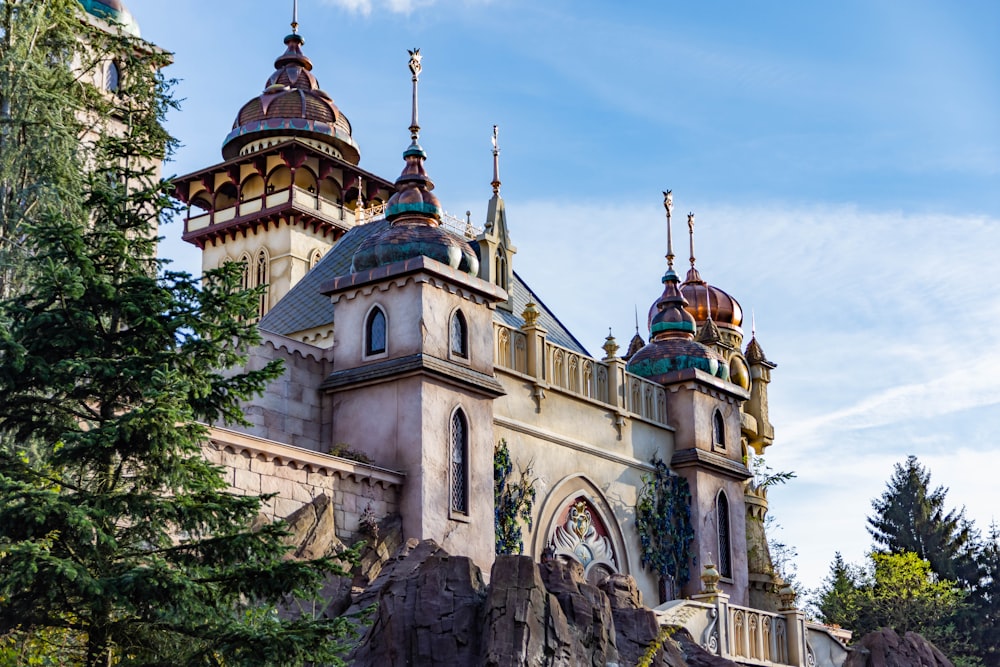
(292, 181)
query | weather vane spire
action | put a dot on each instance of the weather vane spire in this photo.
(415, 69)
(668, 204)
(691, 236)
(496, 162)
(295, 17)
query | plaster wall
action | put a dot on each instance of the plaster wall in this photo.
(289, 248)
(573, 447)
(690, 409)
(705, 487)
(416, 323)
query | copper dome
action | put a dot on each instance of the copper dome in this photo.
(292, 104)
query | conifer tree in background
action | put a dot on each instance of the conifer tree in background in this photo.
(910, 517)
(41, 124)
(986, 601)
(119, 543)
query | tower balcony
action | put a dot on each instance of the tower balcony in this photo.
(293, 204)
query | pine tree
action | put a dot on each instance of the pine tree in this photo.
(838, 601)
(910, 517)
(986, 601)
(42, 101)
(119, 543)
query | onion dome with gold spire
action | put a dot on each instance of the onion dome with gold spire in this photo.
(292, 105)
(708, 302)
(415, 213)
(672, 346)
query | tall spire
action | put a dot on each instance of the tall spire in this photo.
(691, 236)
(295, 17)
(415, 69)
(496, 164)
(668, 204)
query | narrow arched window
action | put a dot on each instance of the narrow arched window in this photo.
(261, 279)
(317, 255)
(112, 77)
(375, 332)
(722, 517)
(501, 269)
(246, 282)
(459, 335)
(459, 468)
(718, 430)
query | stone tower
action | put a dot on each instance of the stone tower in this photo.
(289, 186)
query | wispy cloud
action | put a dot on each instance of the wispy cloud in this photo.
(366, 7)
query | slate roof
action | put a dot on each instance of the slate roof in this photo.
(305, 308)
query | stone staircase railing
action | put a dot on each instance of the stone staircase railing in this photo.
(754, 636)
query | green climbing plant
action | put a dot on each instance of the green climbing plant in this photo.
(513, 497)
(663, 520)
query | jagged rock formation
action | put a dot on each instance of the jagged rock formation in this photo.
(433, 608)
(885, 648)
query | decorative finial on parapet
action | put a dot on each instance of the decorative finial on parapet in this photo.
(691, 236)
(709, 577)
(610, 346)
(415, 69)
(295, 17)
(530, 314)
(496, 163)
(668, 204)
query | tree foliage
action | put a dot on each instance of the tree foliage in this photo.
(513, 500)
(119, 543)
(911, 517)
(663, 521)
(898, 591)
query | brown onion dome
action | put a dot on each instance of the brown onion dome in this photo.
(415, 217)
(672, 346)
(292, 104)
(699, 294)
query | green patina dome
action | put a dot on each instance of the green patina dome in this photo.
(113, 11)
(672, 346)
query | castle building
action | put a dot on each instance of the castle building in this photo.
(412, 347)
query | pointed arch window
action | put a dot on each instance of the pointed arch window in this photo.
(459, 335)
(112, 77)
(718, 430)
(262, 276)
(246, 282)
(459, 465)
(725, 551)
(501, 269)
(375, 332)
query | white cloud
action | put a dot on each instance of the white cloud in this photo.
(366, 7)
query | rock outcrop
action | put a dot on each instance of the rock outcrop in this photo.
(432, 608)
(885, 648)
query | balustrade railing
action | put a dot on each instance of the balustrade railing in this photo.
(758, 635)
(577, 374)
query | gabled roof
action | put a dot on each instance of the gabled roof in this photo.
(304, 307)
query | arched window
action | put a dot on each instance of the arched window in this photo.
(722, 517)
(459, 335)
(112, 77)
(718, 430)
(375, 332)
(501, 269)
(261, 279)
(314, 258)
(459, 468)
(247, 281)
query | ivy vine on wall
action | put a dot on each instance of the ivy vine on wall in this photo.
(513, 498)
(663, 519)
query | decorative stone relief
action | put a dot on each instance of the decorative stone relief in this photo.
(579, 538)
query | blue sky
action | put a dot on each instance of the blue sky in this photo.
(843, 161)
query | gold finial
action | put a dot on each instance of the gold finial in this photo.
(496, 163)
(295, 17)
(530, 314)
(691, 236)
(361, 201)
(610, 346)
(415, 69)
(668, 203)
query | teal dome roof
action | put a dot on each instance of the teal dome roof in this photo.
(113, 11)
(672, 346)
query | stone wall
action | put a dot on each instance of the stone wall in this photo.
(292, 409)
(257, 466)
